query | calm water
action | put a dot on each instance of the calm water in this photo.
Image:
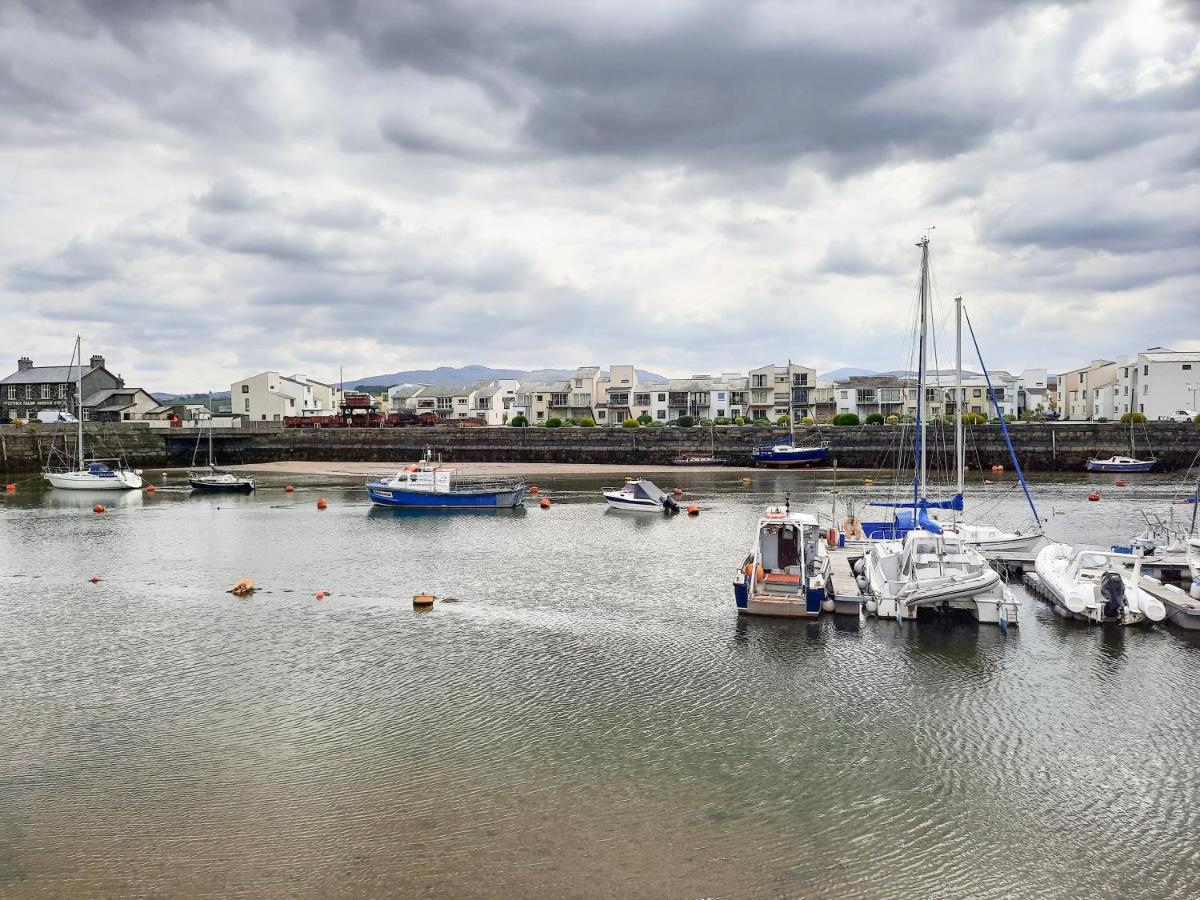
(591, 718)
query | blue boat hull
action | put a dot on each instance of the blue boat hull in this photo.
(1119, 467)
(381, 495)
(796, 457)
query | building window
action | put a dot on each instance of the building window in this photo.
(1187, 367)
(12, 392)
(864, 396)
(29, 392)
(720, 413)
(662, 398)
(600, 413)
(978, 392)
(845, 395)
(662, 413)
(245, 388)
(1145, 370)
(541, 414)
(247, 404)
(62, 392)
(264, 417)
(578, 382)
(539, 398)
(291, 401)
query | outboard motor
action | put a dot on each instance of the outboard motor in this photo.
(1112, 589)
(669, 505)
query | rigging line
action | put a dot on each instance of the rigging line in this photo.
(1003, 425)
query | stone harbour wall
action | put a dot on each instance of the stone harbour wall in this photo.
(1042, 447)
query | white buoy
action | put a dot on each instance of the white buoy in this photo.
(872, 606)
(826, 605)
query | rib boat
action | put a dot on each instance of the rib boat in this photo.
(1096, 585)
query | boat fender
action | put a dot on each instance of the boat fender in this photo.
(827, 605)
(871, 607)
(862, 582)
(859, 566)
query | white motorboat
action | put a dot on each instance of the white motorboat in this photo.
(1097, 585)
(787, 572)
(1193, 561)
(640, 495)
(78, 473)
(926, 570)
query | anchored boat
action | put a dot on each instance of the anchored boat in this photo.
(640, 495)
(212, 479)
(787, 573)
(429, 485)
(1120, 464)
(1096, 585)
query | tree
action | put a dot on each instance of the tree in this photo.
(586, 422)
(875, 419)
(685, 421)
(845, 419)
(554, 422)
(631, 423)
(1132, 417)
(518, 421)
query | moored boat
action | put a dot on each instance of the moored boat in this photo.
(212, 479)
(640, 495)
(1120, 464)
(1097, 586)
(788, 454)
(787, 572)
(429, 485)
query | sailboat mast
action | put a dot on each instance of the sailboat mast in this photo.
(211, 464)
(79, 393)
(959, 448)
(922, 465)
(791, 408)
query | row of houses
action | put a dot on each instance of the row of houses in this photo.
(32, 390)
(1159, 383)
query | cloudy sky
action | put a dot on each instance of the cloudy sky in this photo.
(209, 189)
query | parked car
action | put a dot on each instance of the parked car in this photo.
(50, 416)
(1180, 415)
(1050, 415)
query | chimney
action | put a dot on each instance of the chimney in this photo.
(97, 361)
(24, 363)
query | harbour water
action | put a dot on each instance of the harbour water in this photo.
(589, 718)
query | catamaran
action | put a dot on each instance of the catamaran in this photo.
(930, 567)
(81, 473)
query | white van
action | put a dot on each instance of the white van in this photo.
(50, 416)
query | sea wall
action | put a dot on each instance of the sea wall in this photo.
(1058, 447)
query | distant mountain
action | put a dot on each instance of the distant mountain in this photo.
(845, 372)
(198, 399)
(446, 375)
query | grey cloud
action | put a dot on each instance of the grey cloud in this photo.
(76, 266)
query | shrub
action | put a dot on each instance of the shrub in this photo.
(1132, 417)
(1010, 418)
(845, 419)
(645, 418)
(685, 421)
(973, 418)
(586, 422)
(740, 420)
(875, 419)
(1101, 419)
(721, 420)
(893, 419)
(808, 420)
(706, 422)
(518, 421)
(784, 420)
(554, 422)
(631, 423)
(1197, 419)
(654, 423)
(762, 423)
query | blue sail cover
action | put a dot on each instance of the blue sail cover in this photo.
(955, 503)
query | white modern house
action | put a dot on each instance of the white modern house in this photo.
(270, 397)
(1158, 383)
(1077, 389)
(494, 401)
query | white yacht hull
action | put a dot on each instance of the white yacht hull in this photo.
(1078, 597)
(635, 505)
(119, 480)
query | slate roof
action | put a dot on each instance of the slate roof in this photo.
(46, 375)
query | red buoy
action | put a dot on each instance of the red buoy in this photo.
(693, 509)
(544, 503)
(289, 488)
(150, 489)
(322, 503)
(95, 579)
(10, 488)
(1120, 482)
(1094, 495)
(320, 595)
(98, 508)
(533, 490)
(678, 492)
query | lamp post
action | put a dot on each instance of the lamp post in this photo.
(1193, 387)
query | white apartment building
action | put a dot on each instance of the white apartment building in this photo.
(493, 401)
(781, 391)
(1076, 389)
(270, 397)
(1157, 383)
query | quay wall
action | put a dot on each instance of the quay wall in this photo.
(1042, 447)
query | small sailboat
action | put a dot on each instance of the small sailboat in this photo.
(787, 572)
(788, 453)
(699, 460)
(1096, 585)
(930, 567)
(640, 495)
(213, 479)
(430, 485)
(80, 473)
(1119, 463)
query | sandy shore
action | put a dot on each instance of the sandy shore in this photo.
(303, 467)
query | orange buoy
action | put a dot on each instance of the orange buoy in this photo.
(868, 481)
(322, 503)
(10, 488)
(678, 492)
(95, 579)
(533, 490)
(1120, 482)
(320, 595)
(544, 503)
(243, 587)
(150, 489)
(288, 488)
(423, 601)
(412, 468)
(1094, 495)
(98, 508)
(693, 509)
(997, 468)
(745, 481)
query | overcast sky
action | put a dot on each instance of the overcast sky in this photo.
(206, 190)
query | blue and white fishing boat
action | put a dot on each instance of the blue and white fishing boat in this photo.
(787, 572)
(429, 485)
